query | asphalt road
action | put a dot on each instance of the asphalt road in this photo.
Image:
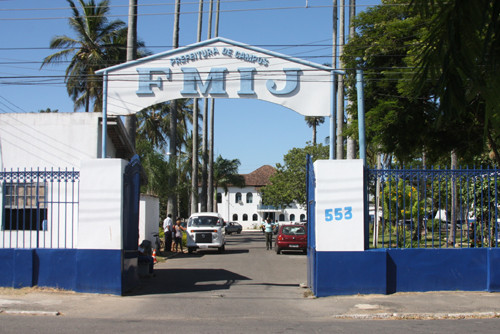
(247, 289)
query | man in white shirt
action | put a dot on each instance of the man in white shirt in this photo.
(167, 229)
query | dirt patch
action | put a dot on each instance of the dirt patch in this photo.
(25, 291)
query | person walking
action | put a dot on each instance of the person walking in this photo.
(178, 234)
(268, 229)
(167, 229)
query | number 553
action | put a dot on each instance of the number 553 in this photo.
(338, 214)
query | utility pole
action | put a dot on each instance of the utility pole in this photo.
(172, 202)
(131, 120)
(212, 206)
(204, 169)
(196, 110)
(340, 81)
(351, 143)
(333, 136)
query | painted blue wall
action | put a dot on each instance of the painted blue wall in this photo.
(405, 270)
(96, 271)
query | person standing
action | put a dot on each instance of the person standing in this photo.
(178, 234)
(167, 229)
(268, 229)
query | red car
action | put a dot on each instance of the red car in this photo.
(291, 237)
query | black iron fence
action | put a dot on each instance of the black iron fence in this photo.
(39, 208)
(433, 208)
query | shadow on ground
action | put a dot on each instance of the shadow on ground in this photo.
(186, 280)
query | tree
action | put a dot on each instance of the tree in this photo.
(394, 123)
(313, 122)
(90, 51)
(401, 120)
(288, 184)
(48, 110)
(226, 174)
(459, 58)
(154, 128)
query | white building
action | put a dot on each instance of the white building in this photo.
(59, 140)
(244, 205)
(41, 155)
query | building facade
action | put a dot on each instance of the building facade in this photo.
(244, 205)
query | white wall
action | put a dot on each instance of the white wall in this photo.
(45, 140)
(149, 217)
(101, 204)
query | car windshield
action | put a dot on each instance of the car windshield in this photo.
(204, 221)
(293, 230)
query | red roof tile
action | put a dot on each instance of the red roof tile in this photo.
(259, 177)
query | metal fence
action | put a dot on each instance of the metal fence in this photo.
(433, 208)
(39, 208)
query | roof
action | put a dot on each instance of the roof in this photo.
(259, 177)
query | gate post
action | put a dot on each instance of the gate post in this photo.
(99, 254)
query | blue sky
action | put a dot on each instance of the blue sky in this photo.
(255, 132)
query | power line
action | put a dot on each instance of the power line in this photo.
(182, 13)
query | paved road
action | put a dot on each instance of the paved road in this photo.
(245, 290)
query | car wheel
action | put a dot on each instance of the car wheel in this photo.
(190, 250)
(239, 232)
(278, 250)
(304, 251)
(221, 249)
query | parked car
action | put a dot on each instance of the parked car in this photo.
(204, 231)
(291, 237)
(233, 227)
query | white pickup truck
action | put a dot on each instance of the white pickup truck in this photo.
(205, 230)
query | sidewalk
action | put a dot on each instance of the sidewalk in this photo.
(428, 305)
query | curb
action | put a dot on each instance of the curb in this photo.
(419, 316)
(19, 312)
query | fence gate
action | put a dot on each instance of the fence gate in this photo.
(131, 197)
(311, 206)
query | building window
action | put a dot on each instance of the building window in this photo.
(292, 217)
(25, 207)
(245, 217)
(282, 217)
(249, 197)
(235, 217)
(255, 217)
(237, 198)
(302, 217)
(219, 198)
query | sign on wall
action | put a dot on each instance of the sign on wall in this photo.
(219, 68)
(339, 205)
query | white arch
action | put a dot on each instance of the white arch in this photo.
(219, 68)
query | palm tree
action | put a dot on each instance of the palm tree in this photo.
(226, 174)
(313, 122)
(154, 123)
(89, 51)
(154, 128)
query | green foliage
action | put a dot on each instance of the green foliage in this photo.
(395, 123)
(402, 202)
(459, 58)
(405, 116)
(98, 43)
(48, 110)
(288, 184)
(226, 174)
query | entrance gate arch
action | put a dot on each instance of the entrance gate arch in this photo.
(220, 68)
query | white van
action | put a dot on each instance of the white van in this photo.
(205, 230)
